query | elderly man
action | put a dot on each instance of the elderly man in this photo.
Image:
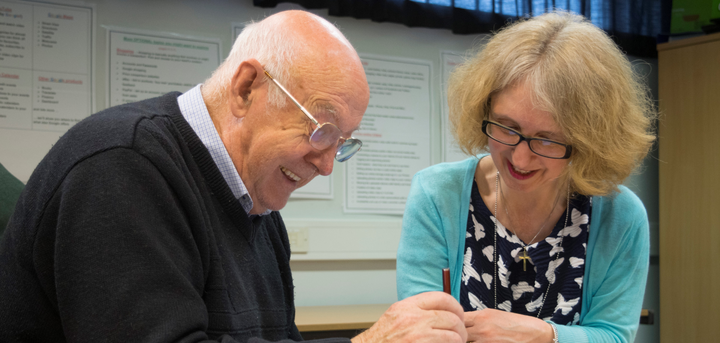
(156, 221)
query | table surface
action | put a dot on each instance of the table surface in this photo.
(347, 317)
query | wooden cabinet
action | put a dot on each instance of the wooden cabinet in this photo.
(689, 174)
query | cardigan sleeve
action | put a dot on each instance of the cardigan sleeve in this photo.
(422, 253)
(616, 279)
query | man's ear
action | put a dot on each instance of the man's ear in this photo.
(244, 87)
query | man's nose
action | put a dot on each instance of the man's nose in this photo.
(322, 160)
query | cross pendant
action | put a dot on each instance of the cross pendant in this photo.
(524, 257)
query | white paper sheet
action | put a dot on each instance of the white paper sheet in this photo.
(451, 151)
(319, 188)
(46, 77)
(395, 132)
(45, 65)
(144, 64)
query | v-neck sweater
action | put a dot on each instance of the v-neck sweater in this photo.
(127, 232)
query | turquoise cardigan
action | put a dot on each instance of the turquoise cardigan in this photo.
(616, 266)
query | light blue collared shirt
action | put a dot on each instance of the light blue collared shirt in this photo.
(193, 109)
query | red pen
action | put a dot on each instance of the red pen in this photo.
(446, 280)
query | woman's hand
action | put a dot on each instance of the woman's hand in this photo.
(490, 325)
(426, 317)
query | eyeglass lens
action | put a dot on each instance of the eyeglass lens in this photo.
(347, 149)
(327, 135)
(324, 136)
(539, 146)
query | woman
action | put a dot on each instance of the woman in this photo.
(542, 241)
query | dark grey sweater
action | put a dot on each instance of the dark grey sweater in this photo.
(127, 232)
(10, 189)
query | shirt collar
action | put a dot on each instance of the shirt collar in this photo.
(195, 112)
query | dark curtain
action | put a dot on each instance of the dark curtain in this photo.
(633, 24)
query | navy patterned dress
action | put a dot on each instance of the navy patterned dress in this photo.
(522, 291)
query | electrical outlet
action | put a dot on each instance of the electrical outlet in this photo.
(299, 240)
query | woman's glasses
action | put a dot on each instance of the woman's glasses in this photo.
(326, 135)
(543, 147)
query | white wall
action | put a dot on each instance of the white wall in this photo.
(335, 282)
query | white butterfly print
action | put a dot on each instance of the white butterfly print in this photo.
(472, 208)
(502, 232)
(506, 306)
(579, 281)
(534, 305)
(577, 219)
(555, 243)
(488, 252)
(576, 262)
(550, 274)
(515, 254)
(479, 229)
(468, 269)
(520, 288)
(475, 302)
(487, 279)
(565, 306)
(576, 318)
(503, 273)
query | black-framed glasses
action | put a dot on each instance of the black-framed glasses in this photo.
(543, 147)
(325, 135)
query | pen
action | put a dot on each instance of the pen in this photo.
(446, 280)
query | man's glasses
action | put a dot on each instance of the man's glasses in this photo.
(543, 147)
(326, 135)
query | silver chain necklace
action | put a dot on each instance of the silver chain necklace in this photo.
(567, 214)
(524, 257)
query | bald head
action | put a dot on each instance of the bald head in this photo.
(292, 46)
(307, 26)
(266, 136)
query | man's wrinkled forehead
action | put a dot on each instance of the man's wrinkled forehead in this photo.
(337, 92)
(327, 112)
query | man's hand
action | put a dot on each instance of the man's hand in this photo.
(491, 325)
(426, 317)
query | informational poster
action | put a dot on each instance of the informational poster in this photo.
(321, 186)
(145, 64)
(395, 132)
(47, 78)
(45, 65)
(450, 149)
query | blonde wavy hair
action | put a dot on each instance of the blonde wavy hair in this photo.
(579, 75)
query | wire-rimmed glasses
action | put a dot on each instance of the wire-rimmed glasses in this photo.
(325, 135)
(540, 146)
